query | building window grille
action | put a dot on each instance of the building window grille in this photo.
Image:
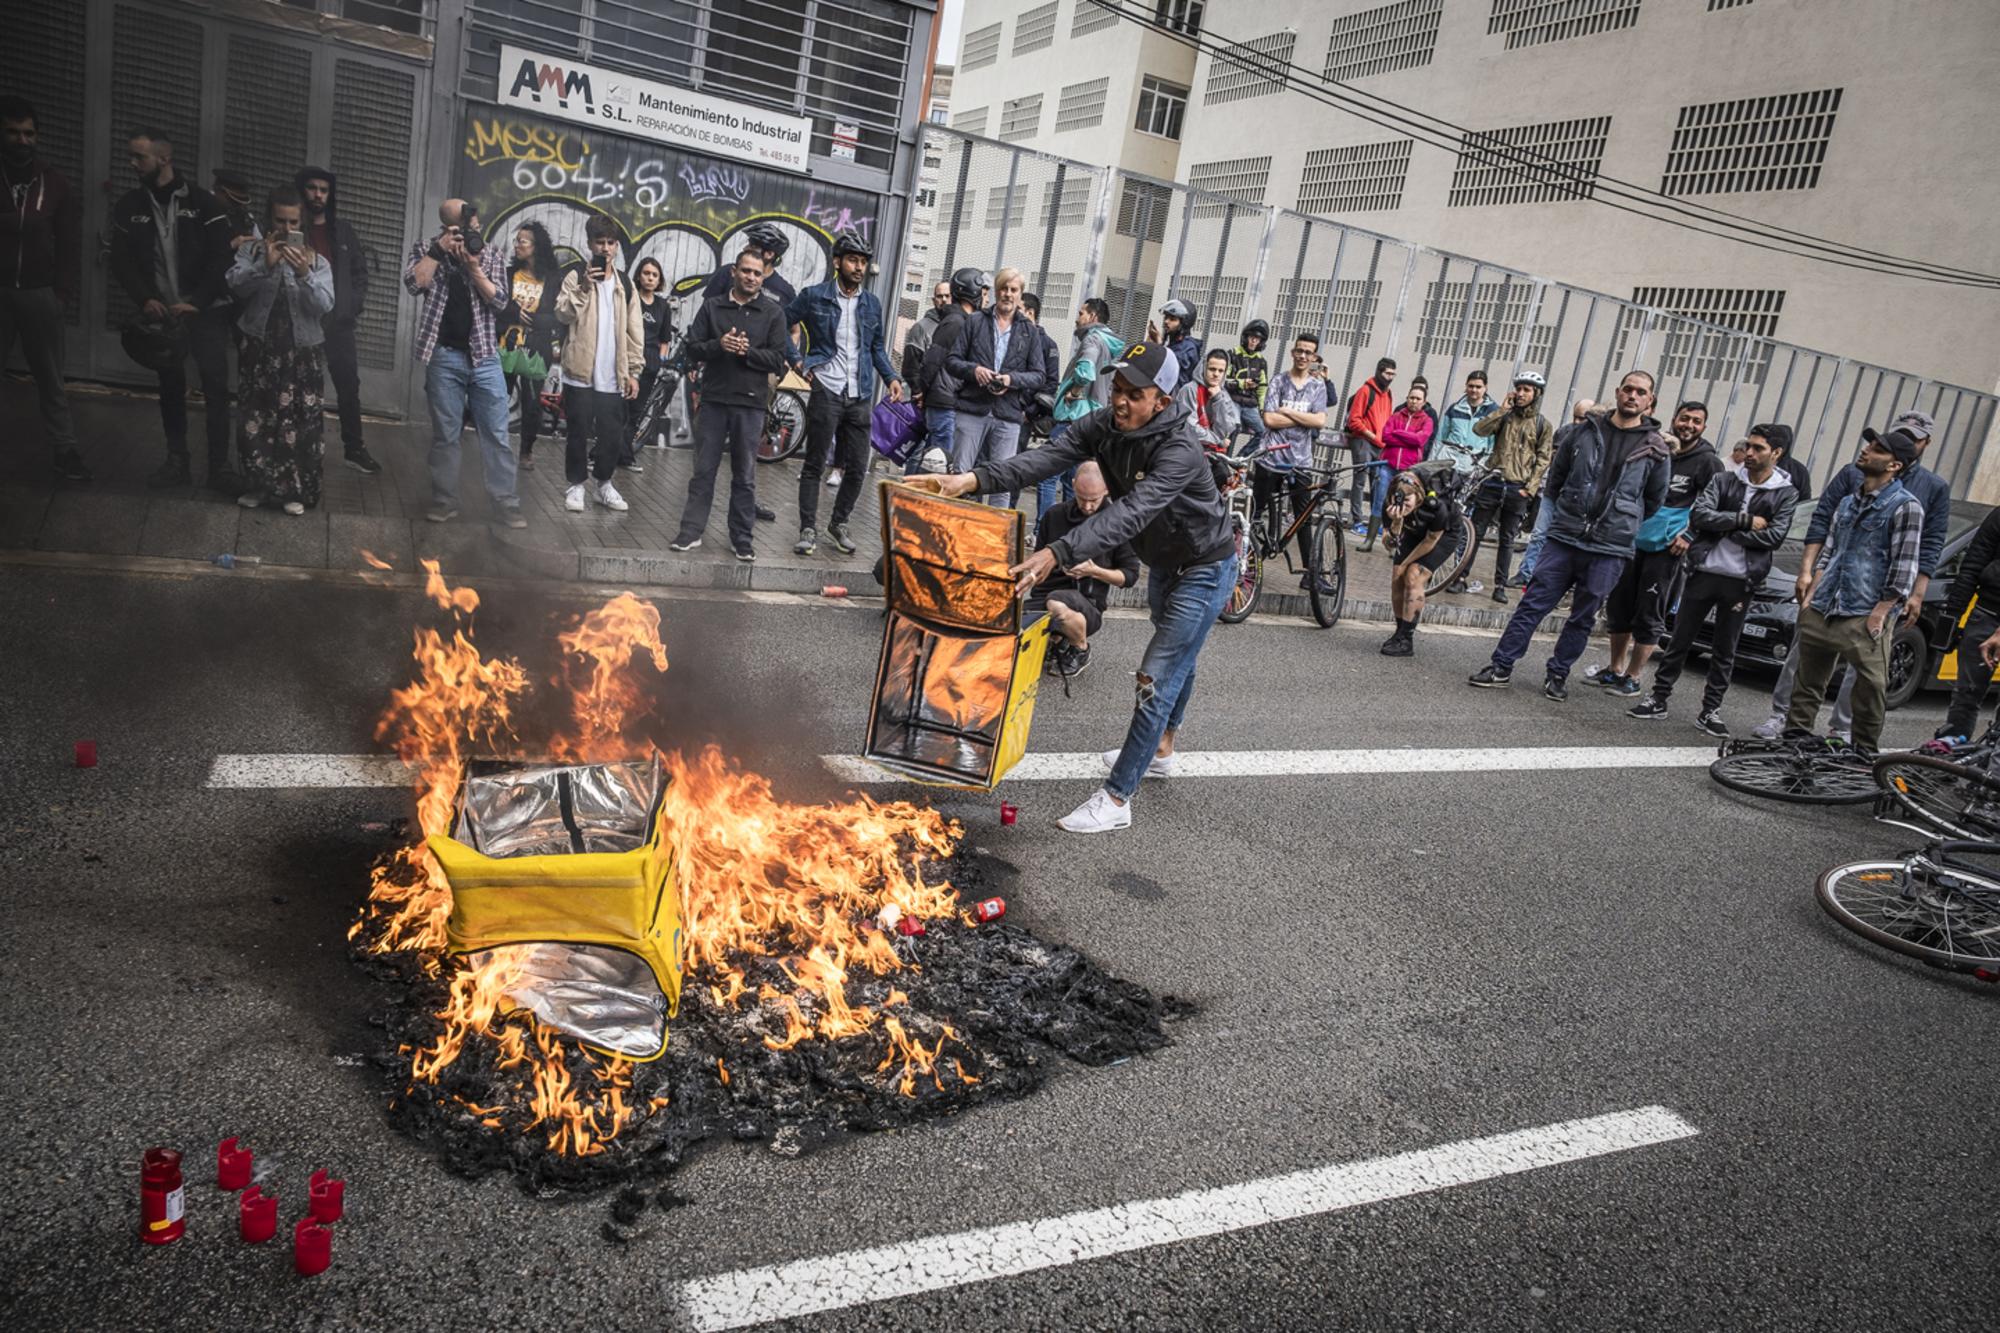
(1380, 41)
(971, 119)
(1748, 311)
(1143, 208)
(1036, 29)
(1220, 303)
(1021, 118)
(1352, 322)
(1493, 331)
(1360, 178)
(1532, 22)
(1250, 69)
(1241, 179)
(1755, 143)
(981, 48)
(1529, 164)
(1081, 105)
(1091, 18)
(1073, 207)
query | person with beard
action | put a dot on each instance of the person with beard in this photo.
(41, 234)
(1175, 332)
(1250, 378)
(935, 384)
(1637, 611)
(170, 252)
(1522, 445)
(1367, 412)
(1609, 475)
(334, 236)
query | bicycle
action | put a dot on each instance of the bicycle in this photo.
(1462, 488)
(784, 415)
(1947, 791)
(1935, 904)
(1326, 542)
(1811, 771)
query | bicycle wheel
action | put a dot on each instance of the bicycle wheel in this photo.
(1326, 572)
(1455, 565)
(1803, 777)
(1249, 576)
(784, 427)
(1947, 916)
(1951, 798)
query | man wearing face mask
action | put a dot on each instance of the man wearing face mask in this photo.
(40, 236)
(170, 252)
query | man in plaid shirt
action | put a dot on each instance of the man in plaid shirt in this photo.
(463, 283)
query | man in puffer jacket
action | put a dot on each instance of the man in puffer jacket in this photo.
(1610, 473)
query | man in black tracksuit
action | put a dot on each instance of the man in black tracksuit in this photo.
(1978, 574)
(334, 236)
(170, 252)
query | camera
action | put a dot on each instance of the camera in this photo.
(474, 242)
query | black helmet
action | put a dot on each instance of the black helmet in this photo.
(767, 238)
(849, 242)
(967, 284)
(1258, 327)
(155, 344)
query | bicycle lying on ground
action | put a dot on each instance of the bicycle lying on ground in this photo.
(1939, 903)
(1325, 575)
(1806, 771)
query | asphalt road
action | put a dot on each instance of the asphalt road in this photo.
(1382, 964)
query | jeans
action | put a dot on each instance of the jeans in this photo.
(1842, 720)
(208, 340)
(1184, 606)
(1250, 422)
(1507, 502)
(719, 427)
(1052, 491)
(451, 381)
(940, 423)
(343, 367)
(1544, 516)
(1370, 485)
(34, 317)
(974, 434)
(836, 428)
(1564, 568)
(596, 429)
(1731, 599)
(1824, 641)
(1973, 674)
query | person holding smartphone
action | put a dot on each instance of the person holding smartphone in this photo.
(603, 354)
(283, 289)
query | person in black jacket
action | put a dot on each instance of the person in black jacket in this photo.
(1075, 596)
(740, 340)
(170, 252)
(40, 245)
(1978, 575)
(528, 326)
(934, 385)
(1164, 502)
(334, 236)
(998, 365)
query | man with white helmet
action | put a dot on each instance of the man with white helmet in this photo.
(1521, 451)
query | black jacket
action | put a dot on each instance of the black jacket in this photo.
(40, 229)
(1978, 571)
(349, 257)
(935, 381)
(201, 243)
(1026, 367)
(738, 381)
(1718, 515)
(1163, 496)
(1058, 523)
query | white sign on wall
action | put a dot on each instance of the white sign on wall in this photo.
(592, 95)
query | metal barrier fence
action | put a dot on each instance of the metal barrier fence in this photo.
(1077, 231)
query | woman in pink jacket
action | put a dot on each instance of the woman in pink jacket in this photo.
(1406, 432)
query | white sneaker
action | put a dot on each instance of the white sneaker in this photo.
(833, 479)
(608, 496)
(573, 499)
(1161, 767)
(1770, 728)
(1099, 814)
(1844, 737)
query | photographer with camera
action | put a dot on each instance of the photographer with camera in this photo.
(283, 289)
(462, 282)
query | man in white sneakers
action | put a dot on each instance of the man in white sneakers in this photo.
(604, 349)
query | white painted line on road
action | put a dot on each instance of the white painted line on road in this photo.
(1292, 763)
(308, 770)
(934, 1263)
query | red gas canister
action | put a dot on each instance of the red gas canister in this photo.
(991, 910)
(162, 1202)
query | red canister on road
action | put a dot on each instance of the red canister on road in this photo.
(991, 910)
(162, 1201)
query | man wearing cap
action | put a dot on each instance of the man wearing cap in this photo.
(843, 323)
(1164, 502)
(1932, 491)
(1849, 595)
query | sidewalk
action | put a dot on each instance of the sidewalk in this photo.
(118, 515)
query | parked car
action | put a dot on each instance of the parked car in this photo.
(1915, 652)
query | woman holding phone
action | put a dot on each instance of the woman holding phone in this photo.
(528, 328)
(283, 289)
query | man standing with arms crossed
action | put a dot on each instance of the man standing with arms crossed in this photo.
(1164, 502)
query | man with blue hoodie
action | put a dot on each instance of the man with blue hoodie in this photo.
(1637, 611)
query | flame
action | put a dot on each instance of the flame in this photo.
(375, 561)
(759, 878)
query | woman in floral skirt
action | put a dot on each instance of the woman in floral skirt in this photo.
(284, 288)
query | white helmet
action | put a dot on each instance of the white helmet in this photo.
(1533, 377)
(933, 460)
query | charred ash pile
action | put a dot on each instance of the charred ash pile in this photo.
(829, 980)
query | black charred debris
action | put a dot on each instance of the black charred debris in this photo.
(1010, 1000)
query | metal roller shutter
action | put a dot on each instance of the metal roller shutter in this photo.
(156, 64)
(373, 111)
(265, 105)
(46, 44)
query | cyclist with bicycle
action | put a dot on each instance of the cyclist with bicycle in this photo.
(1421, 518)
(1294, 413)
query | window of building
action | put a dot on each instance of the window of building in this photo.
(1242, 179)
(1359, 178)
(1714, 356)
(951, 204)
(756, 53)
(1005, 205)
(1130, 308)
(1082, 105)
(1180, 15)
(1241, 70)
(1220, 303)
(1020, 118)
(1073, 207)
(1757, 143)
(1493, 330)
(1091, 18)
(939, 116)
(1352, 323)
(1714, 5)
(1143, 208)
(1058, 293)
(1161, 106)
(854, 73)
(1529, 164)
(1531, 22)
(980, 48)
(971, 119)
(1378, 41)
(1036, 29)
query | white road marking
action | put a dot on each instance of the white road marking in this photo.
(1290, 763)
(934, 1263)
(308, 770)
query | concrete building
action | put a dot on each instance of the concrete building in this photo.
(1868, 125)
